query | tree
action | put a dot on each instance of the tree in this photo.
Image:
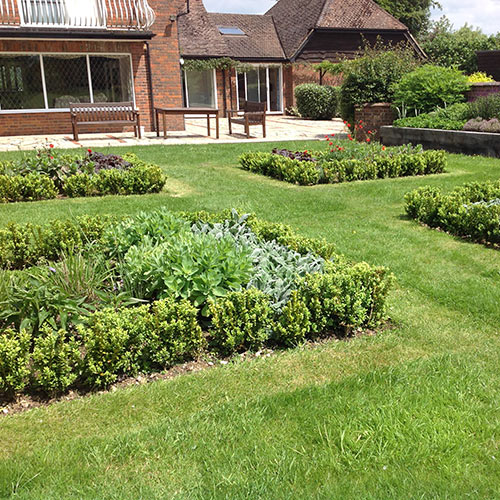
(413, 13)
(448, 47)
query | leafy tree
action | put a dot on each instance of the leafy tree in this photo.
(414, 13)
(448, 47)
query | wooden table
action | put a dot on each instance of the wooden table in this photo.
(186, 111)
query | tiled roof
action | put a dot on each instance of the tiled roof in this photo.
(260, 40)
(280, 32)
(295, 19)
(199, 35)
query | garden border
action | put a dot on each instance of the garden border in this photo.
(453, 141)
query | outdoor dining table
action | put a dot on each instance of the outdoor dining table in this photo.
(186, 111)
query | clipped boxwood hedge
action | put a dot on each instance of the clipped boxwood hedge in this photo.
(471, 211)
(124, 340)
(48, 175)
(325, 170)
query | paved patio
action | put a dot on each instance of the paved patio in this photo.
(279, 128)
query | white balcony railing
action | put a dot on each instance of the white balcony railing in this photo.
(77, 14)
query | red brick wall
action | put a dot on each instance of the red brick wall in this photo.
(482, 89)
(373, 117)
(165, 58)
(166, 76)
(56, 122)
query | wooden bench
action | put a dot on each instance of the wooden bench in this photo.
(106, 113)
(254, 113)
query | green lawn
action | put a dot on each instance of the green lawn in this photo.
(412, 413)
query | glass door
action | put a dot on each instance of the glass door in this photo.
(262, 84)
(199, 89)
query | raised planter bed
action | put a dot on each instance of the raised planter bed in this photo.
(453, 141)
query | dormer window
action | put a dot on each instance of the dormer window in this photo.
(230, 30)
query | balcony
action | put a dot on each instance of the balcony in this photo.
(125, 15)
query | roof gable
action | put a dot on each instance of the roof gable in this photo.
(295, 19)
(358, 14)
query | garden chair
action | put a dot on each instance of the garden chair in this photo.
(254, 113)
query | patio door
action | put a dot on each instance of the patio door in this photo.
(262, 84)
(199, 89)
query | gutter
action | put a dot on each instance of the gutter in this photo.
(55, 34)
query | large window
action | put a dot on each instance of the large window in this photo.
(53, 81)
(262, 84)
(199, 89)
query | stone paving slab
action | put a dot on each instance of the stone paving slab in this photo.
(279, 128)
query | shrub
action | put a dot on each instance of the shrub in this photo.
(352, 162)
(113, 341)
(293, 325)
(486, 107)
(479, 77)
(240, 321)
(315, 101)
(346, 295)
(303, 173)
(369, 79)
(55, 361)
(14, 361)
(429, 87)
(139, 179)
(23, 245)
(452, 117)
(423, 204)
(457, 48)
(31, 187)
(173, 333)
(471, 211)
(480, 125)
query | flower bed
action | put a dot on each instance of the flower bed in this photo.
(471, 211)
(49, 174)
(142, 293)
(481, 115)
(344, 161)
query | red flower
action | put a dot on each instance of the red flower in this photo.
(331, 143)
(333, 135)
(89, 150)
(349, 125)
(383, 148)
(326, 137)
(368, 140)
(51, 157)
(51, 145)
(305, 152)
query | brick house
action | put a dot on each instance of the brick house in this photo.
(53, 52)
(280, 44)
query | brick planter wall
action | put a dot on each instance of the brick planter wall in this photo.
(482, 89)
(373, 117)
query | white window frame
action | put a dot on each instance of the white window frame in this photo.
(186, 92)
(268, 67)
(88, 55)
